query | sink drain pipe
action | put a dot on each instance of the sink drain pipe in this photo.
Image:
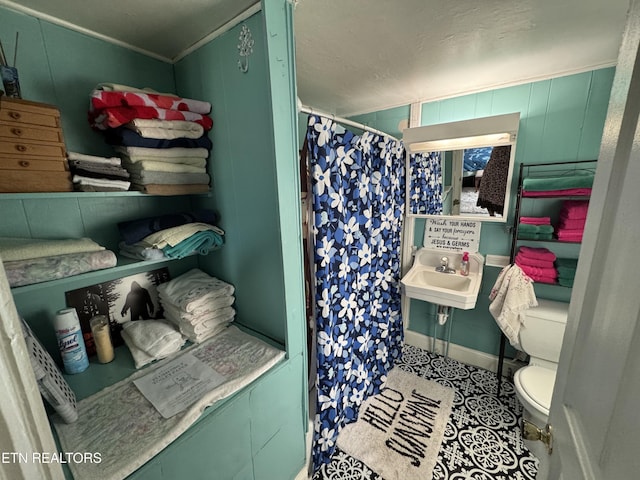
(444, 313)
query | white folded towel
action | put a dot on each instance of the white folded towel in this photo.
(150, 340)
(208, 334)
(175, 167)
(226, 315)
(165, 129)
(164, 152)
(99, 182)
(94, 158)
(198, 315)
(194, 289)
(193, 161)
(223, 315)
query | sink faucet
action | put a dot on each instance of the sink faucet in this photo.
(444, 266)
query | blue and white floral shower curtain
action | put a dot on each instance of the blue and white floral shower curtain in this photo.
(358, 185)
(425, 187)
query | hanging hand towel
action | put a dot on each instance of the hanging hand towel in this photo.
(511, 296)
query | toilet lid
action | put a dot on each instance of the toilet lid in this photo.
(537, 384)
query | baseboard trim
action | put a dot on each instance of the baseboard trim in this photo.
(461, 354)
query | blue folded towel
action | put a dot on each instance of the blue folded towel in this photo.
(135, 230)
(124, 136)
(200, 242)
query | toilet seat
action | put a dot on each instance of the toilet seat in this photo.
(535, 385)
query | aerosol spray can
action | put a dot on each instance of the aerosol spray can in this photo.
(70, 341)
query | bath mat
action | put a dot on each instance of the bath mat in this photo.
(399, 431)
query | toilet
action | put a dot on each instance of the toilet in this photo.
(541, 338)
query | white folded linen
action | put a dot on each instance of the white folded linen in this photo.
(165, 129)
(208, 334)
(173, 236)
(164, 152)
(99, 182)
(194, 289)
(193, 161)
(175, 167)
(222, 315)
(118, 87)
(93, 158)
(150, 340)
(225, 316)
(20, 248)
(198, 315)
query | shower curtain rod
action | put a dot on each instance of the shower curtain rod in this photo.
(361, 126)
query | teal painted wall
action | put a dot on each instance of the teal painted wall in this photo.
(242, 165)
(391, 121)
(561, 120)
(61, 66)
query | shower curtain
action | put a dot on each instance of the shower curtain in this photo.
(425, 187)
(358, 201)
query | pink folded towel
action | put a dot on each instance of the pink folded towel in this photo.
(578, 192)
(543, 275)
(543, 272)
(571, 224)
(570, 235)
(574, 209)
(536, 220)
(538, 253)
(533, 262)
(542, 279)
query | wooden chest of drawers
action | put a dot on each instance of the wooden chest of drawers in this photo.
(32, 151)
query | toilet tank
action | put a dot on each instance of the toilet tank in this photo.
(543, 329)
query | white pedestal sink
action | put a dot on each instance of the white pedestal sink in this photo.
(424, 282)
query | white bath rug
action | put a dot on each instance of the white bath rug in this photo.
(399, 431)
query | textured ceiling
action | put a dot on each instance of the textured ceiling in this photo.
(164, 28)
(358, 56)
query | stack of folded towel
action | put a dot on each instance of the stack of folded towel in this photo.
(198, 304)
(535, 228)
(161, 137)
(97, 174)
(573, 216)
(170, 236)
(537, 264)
(575, 183)
(566, 271)
(150, 340)
(30, 260)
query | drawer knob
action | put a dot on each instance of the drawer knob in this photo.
(15, 115)
(21, 148)
(23, 163)
(17, 132)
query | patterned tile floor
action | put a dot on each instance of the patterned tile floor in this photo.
(482, 440)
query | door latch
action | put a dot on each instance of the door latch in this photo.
(530, 431)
